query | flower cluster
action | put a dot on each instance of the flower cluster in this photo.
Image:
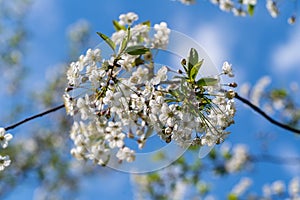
(240, 188)
(278, 188)
(240, 8)
(245, 7)
(4, 139)
(238, 159)
(127, 97)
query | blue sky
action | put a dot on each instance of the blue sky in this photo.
(256, 46)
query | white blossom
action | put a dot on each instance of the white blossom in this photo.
(114, 136)
(160, 76)
(238, 159)
(128, 19)
(267, 190)
(4, 162)
(115, 99)
(226, 68)
(249, 2)
(126, 154)
(226, 5)
(278, 187)
(239, 12)
(258, 89)
(294, 187)
(161, 37)
(242, 186)
(4, 138)
(118, 36)
(99, 154)
(272, 8)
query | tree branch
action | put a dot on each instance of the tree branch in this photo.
(35, 116)
(259, 111)
(245, 101)
(275, 159)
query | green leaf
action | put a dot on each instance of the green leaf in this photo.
(181, 160)
(207, 82)
(195, 70)
(148, 23)
(278, 94)
(192, 59)
(232, 196)
(107, 40)
(138, 61)
(149, 132)
(171, 100)
(118, 26)
(251, 9)
(137, 50)
(154, 177)
(175, 93)
(227, 155)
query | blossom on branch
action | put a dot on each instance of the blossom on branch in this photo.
(128, 97)
(4, 162)
(4, 138)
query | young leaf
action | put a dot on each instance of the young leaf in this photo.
(147, 23)
(183, 63)
(118, 26)
(170, 100)
(174, 93)
(107, 40)
(192, 59)
(138, 61)
(251, 9)
(207, 81)
(149, 132)
(136, 50)
(195, 70)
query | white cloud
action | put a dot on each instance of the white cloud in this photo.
(45, 16)
(286, 56)
(216, 40)
(213, 41)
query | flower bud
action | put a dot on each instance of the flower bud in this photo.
(230, 94)
(234, 85)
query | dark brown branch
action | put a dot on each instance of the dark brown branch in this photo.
(259, 111)
(245, 101)
(275, 159)
(35, 116)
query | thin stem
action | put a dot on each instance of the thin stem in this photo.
(35, 116)
(273, 121)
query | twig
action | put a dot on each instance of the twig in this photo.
(35, 116)
(258, 110)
